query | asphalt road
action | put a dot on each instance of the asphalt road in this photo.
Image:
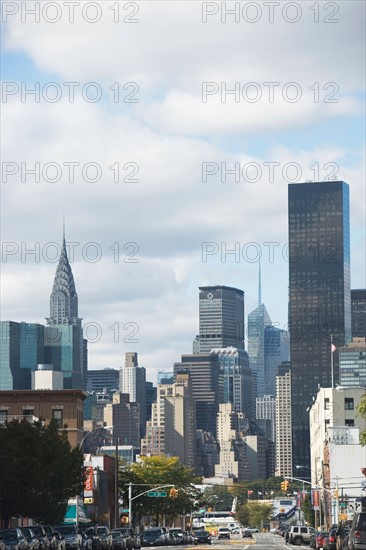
(260, 541)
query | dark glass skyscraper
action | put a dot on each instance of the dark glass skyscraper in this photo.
(319, 295)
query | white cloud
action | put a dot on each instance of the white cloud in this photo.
(170, 211)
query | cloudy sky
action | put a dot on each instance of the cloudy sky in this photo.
(167, 134)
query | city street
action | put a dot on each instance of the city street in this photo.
(260, 541)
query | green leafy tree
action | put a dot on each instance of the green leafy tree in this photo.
(156, 471)
(254, 513)
(39, 471)
(361, 408)
(307, 510)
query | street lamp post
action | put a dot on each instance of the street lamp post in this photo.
(91, 431)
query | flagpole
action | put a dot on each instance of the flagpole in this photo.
(331, 359)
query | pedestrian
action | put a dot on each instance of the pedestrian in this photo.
(287, 536)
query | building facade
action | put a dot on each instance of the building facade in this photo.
(358, 313)
(133, 381)
(332, 408)
(22, 348)
(319, 295)
(258, 320)
(237, 379)
(63, 406)
(207, 387)
(99, 379)
(221, 318)
(352, 363)
(283, 447)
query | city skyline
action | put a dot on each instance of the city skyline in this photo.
(173, 147)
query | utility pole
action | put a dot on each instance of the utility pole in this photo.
(116, 503)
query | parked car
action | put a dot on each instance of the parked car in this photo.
(153, 536)
(202, 537)
(44, 541)
(92, 533)
(118, 540)
(330, 541)
(58, 541)
(14, 539)
(133, 540)
(31, 538)
(252, 529)
(105, 537)
(177, 533)
(300, 534)
(319, 539)
(189, 538)
(223, 533)
(72, 537)
(87, 542)
(357, 532)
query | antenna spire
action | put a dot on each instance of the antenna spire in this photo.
(259, 285)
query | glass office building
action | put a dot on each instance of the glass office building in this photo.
(319, 295)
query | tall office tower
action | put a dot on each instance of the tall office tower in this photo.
(180, 422)
(276, 350)
(99, 379)
(352, 363)
(133, 381)
(258, 319)
(237, 378)
(154, 441)
(319, 295)
(207, 387)
(221, 318)
(283, 421)
(266, 410)
(66, 347)
(22, 348)
(358, 313)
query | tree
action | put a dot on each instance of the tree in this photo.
(153, 472)
(307, 510)
(39, 471)
(254, 513)
(361, 408)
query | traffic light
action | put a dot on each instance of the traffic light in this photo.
(173, 493)
(336, 493)
(284, 485)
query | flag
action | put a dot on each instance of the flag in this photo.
(332, 348)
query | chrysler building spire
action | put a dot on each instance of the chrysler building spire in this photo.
(64, 298)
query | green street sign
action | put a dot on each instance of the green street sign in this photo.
(157, 494)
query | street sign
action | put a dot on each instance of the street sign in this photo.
(157, 494)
